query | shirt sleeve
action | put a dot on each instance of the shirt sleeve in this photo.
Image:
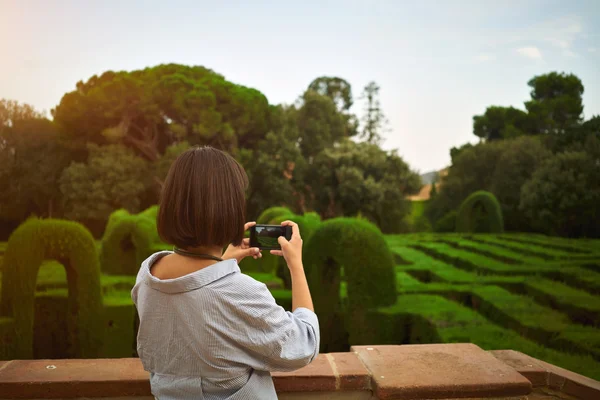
(275, 339)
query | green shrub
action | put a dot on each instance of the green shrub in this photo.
(73, 246)
(447, 223)
(481, 213)
(129, 240)
(354, 251)
(271, 213)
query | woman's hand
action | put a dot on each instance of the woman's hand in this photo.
(244, 250)
(291, 250)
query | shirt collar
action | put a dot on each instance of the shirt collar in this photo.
(187, 282)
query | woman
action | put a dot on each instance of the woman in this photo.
(206, 330)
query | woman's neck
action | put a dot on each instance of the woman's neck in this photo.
(214, 251)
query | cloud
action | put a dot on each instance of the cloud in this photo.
(485, 57)
(592, 49)
(530, 52)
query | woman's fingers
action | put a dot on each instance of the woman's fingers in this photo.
(249, 225)
(277, 253)
(295, 229)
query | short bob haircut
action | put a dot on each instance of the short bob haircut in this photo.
(203, 201)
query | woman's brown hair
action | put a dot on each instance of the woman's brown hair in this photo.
(203, 201)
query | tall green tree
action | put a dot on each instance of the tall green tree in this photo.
(32, 157)
(337, 89)
(275, 167)
(556, 102)
(501, 123)
(149, 109)
(320, 124)
(374, 122)
(113, 177)
(361, 178)
(563, 195)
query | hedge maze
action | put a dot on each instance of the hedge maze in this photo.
(64, 295)
(530, 293)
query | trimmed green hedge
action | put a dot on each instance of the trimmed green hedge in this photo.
(271, 213)
(73, 246)
(480, 212)
(354, 251)
(128, 240)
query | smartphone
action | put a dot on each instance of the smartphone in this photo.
(265, 236)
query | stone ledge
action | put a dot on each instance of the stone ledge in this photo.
(368, 372)
(439, 371)
(540, 373)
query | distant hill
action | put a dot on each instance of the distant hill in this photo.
(428, 178)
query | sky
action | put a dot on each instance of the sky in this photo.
(438, 63)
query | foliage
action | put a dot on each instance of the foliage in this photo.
(128, 240)
(501, 123)
(359, 249)
(515, 166)
(501, 167)
(374, 121)
(74, 247)
(480, 212)
(337, 89)
(32, 150)
(276, 166)
(563, 195)
(268, 215)
(320, 125)
(150, 109)
(556, 103)
(447, 223)
(360, 177)
(112, 178)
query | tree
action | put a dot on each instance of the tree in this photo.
(556, 102)
(319, 123)
(354, 178)
(520, 158)
(112, 178)
(563, 195)
(433, 191)
(147, 110)
(32, 157)
(501, 123)
(337, 89)
(275, 167)
(374, 121)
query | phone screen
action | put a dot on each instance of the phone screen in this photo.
(265, 236)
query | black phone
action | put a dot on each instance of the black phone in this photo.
(265, 236)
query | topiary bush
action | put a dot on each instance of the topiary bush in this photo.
(480, 213)
(353, 252)
(447, 223)
(128, 240)
(72, 245)
(271, 213)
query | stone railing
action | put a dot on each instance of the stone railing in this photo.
(437, 371)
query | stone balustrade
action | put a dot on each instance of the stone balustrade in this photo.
(435, 371)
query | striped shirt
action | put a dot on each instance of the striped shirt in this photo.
(217, 333)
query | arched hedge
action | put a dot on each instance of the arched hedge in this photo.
(353, 251)
(481, 213)
(268, 215)
(128, 240)
(72, 245)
